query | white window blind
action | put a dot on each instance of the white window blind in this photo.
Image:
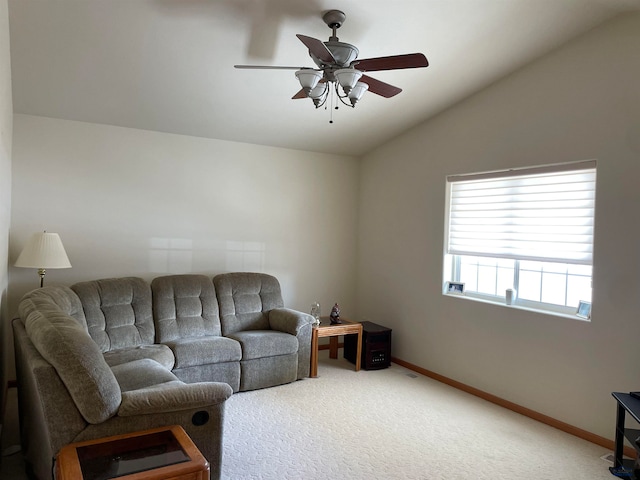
(544, 214)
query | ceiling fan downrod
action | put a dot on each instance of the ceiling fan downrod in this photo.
(334, 20)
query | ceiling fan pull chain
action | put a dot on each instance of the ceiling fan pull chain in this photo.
(331, 109)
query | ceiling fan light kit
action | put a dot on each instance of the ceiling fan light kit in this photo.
(347, 78)
(318, 91)
(308, 79)
(357, 92)
(339, 70)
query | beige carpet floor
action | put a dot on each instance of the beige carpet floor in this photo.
(384, 424)
(393, 424)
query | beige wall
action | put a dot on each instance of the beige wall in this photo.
(133, 202)
(6, 122)
(580, 102)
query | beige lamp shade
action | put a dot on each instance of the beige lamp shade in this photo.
(43, 250)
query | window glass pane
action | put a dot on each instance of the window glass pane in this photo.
(529, 287)
(505, 262)
(469, 276)
(529, 265)
(469, 260)
(554, 267)
(563, 285)
(580, 270)
(491, 262)
(505, 279)
(579, 288)
(554, 288)
(465, 260)
(487, 279)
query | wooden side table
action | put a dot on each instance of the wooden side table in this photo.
(325, 329)
(160, 453)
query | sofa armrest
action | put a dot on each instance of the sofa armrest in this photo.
(172, 397)
(289, 321)
(298, 324)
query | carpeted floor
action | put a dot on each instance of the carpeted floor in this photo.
(384, 424)
(392, 424)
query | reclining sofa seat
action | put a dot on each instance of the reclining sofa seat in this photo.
(119, 318)
(185, 311)
(275, 341)
(67, 391)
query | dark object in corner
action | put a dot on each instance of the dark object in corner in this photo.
(376, 346)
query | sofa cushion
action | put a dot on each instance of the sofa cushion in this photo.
(265, 343)
(118, 312)
(245, 299)
(66, 345)
(184, 306)
(142, 373)
(158, 352)
(191, 352)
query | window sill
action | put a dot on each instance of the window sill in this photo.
(518, 307)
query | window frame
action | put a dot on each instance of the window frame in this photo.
(453, 261)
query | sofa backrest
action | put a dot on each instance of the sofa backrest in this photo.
(56, 298)
(65, 343)
(118, 312)
(245, 300)
(184, 306)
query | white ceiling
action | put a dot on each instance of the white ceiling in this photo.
(167, 65)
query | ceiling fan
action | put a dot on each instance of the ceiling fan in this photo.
(337, 64)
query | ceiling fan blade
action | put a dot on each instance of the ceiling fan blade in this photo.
(394, 62)
(380, 88)
(300, 94)
(318, 48)
(267, 67)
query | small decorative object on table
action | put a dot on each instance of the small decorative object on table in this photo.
(335, 315)
(315, 312)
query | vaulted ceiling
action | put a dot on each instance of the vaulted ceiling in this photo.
(167, 65)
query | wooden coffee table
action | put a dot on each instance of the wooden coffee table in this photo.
(325, 329)
(158, 453)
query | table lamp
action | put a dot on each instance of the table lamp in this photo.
(43, 250)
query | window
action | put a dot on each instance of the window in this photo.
(526, 229)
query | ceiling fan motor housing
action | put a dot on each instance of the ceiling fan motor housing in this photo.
(344, 54)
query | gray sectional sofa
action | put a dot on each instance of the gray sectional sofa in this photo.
(119, 355)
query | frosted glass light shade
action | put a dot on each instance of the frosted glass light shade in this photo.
(43, 250)
(318, 91)
(308, 79)
(357, 92)
(348, 77)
